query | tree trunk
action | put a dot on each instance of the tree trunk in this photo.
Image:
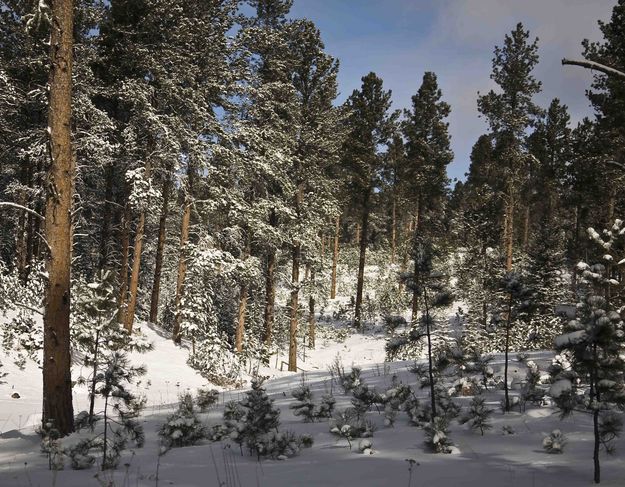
(297, 249)
(323, 247)
(357, 232)
(361, 261)
(509, 231)
(123, 269)
(182, 266)
(311, 311)
(335, 257)
(507, 351)
(270, 288)
(238, 344)
(57, 382)
(136, 260)
(160, 250)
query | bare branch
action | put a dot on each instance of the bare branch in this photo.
(594, 66)
(25, 306)
(23, 208)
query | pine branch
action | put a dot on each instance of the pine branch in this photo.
(23, 208)
(594, 66)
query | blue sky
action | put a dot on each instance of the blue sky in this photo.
(400, 39)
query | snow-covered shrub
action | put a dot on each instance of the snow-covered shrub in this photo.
(478, 415)
(393, 399)
(507, 430)
(183, 427)
(413, 409)
(365, 446)
(363, 398)
(437, 435)
(350, 381)
(281, 445)
(326, 407)
(481, 364)
(303, 405)
(349, 424)
(51, 445)
(554, 442)
(260, 416)
(530, 392)
(80, 454)
(205, 398)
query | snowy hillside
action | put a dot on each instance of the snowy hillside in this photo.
(493, 459)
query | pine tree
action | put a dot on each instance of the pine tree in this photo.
(594, 382)
(369, 126)
(510, 112)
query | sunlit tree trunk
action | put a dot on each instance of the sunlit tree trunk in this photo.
(160, 251)
(57, 383)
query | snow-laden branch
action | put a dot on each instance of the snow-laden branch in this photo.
(594, 66)
(23, 208)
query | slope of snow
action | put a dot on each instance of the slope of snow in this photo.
(494, 459)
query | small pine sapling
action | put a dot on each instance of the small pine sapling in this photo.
(51, 445)
(393, 399)
(478, 415)
(303, 405)
(183, 427)
(206, 398)
(554, 442)
(437, 435)
(326, 407)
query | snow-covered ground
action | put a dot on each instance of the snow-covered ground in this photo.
(494, 459)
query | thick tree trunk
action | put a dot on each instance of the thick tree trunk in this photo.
(136, 261)
(123, 268)
(361, 262)
(335, 257)
(160, 251)
(57, 383)
(182, 266)
(270, 287)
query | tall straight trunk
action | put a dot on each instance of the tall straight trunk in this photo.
(243, 296)
(357, 232)
(575, 251)
(323, 247)
(240, 330)
(507, 351)
(428, 332)
(123, 268)
(361, 261)
(105, 233)
(182, 267)
(297, 250)
(136, 262)
(509, 231)
(335, 256)
(297, 256)
(311, 311)
(415, 297)
(160, 250)
(394, 231)
(57, 382)
(270, 286)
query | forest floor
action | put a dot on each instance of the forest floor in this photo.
(494, 459)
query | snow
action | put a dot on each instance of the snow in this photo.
(493, 459)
